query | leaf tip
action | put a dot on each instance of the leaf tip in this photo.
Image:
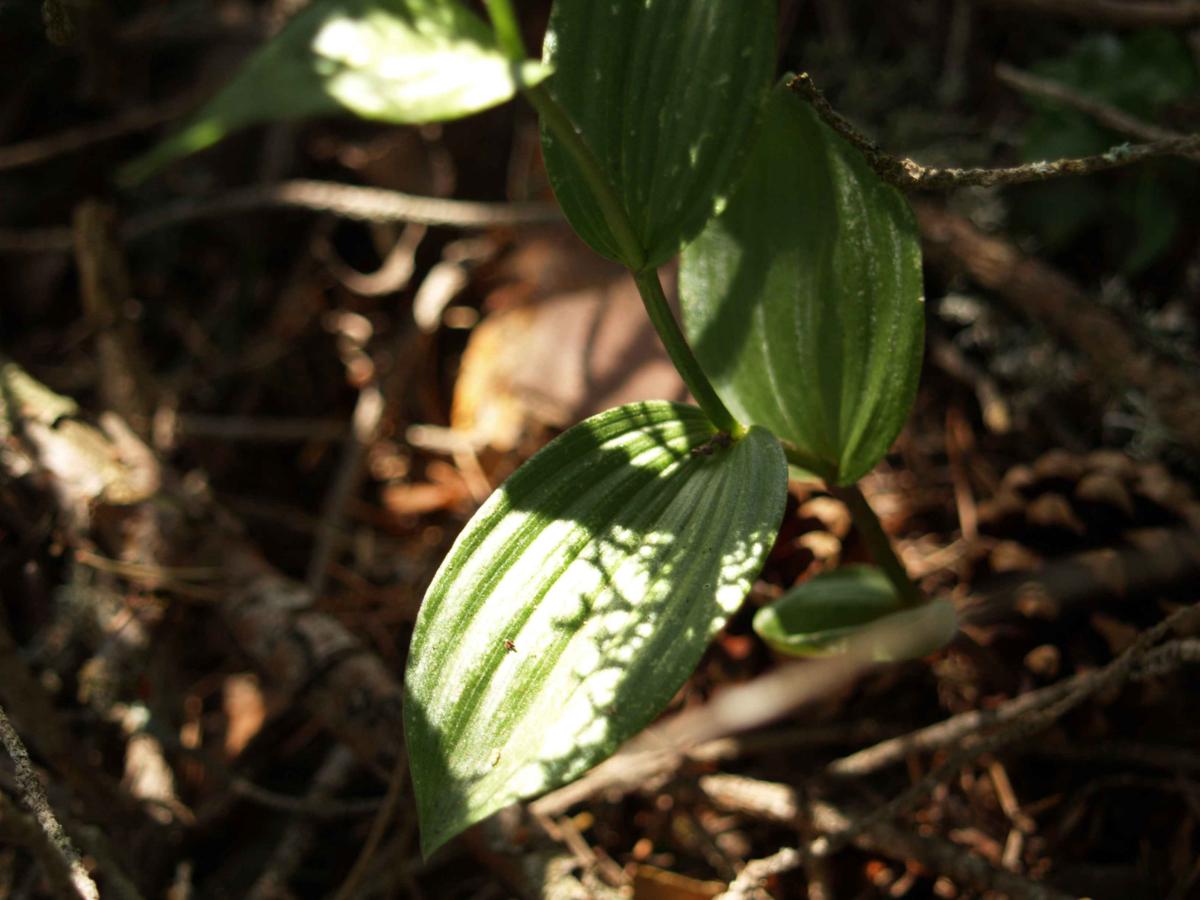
(194, 137)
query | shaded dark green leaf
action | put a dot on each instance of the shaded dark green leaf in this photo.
(666, 94)
(803, 299)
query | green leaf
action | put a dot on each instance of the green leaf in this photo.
(666, 94)
(577, 601)
(803, 299)
(404, 61)
(854, 610)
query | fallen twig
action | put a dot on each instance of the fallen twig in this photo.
(783, 804)
(21, 830)
(1049, 297)
(307, 654)
(1116, 13)
(1136, 663)
(38, 803)
(757, 871)
(1104, 113)
(1031, 720)
(1147, 560)
(42, 149)
(105, 291)
(297, 840)
(661, 749)
(383, 820)
(365, 204)
(908, 174)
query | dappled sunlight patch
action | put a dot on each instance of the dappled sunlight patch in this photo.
(578, 600)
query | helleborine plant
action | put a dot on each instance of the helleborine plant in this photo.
(582, 594)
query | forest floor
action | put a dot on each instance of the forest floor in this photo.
(243, 416)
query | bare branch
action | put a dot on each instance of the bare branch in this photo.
(364, 204)
(1109, 12)
(348, 201)
(909, 175)
(39, 804)
(1105, 114)
(1139, 658)
(967, 724)
(783, 804)
(757, 871)
(42, 149)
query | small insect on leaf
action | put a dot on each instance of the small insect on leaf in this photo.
(719, 440)
(613, 556)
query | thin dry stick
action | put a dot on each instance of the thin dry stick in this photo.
(39, 804)
(259, 430)
(363, 204)
(1028, 724)
(41, 149)
(660, 749)
(1105, 114)
(104, 287)
(348, 201)
(783, 804)
(367, 418)
(963, 725)
(936, 855)
(756, 872)
(37, 240)
(21, 830)
(908, 175)
(1109, 12)
(323, 806)
(297, 840)
(379, 827)
(368, 413)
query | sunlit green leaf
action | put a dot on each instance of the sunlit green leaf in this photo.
(803, 299)
(853, 609)
(666, 93)
(577, 601)
(405, 61)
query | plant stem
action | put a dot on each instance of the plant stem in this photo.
(555, 118)
(629, 247)
(508, 32)
(681, 354)
(878, 543)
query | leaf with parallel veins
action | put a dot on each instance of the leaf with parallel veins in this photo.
(804, 298)
(402, 61)
(577, 601)
(666, 93)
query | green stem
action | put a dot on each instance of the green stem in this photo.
(555, 118)
(508, 31)
(681, 354)
(629, 247)
(878, 543)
